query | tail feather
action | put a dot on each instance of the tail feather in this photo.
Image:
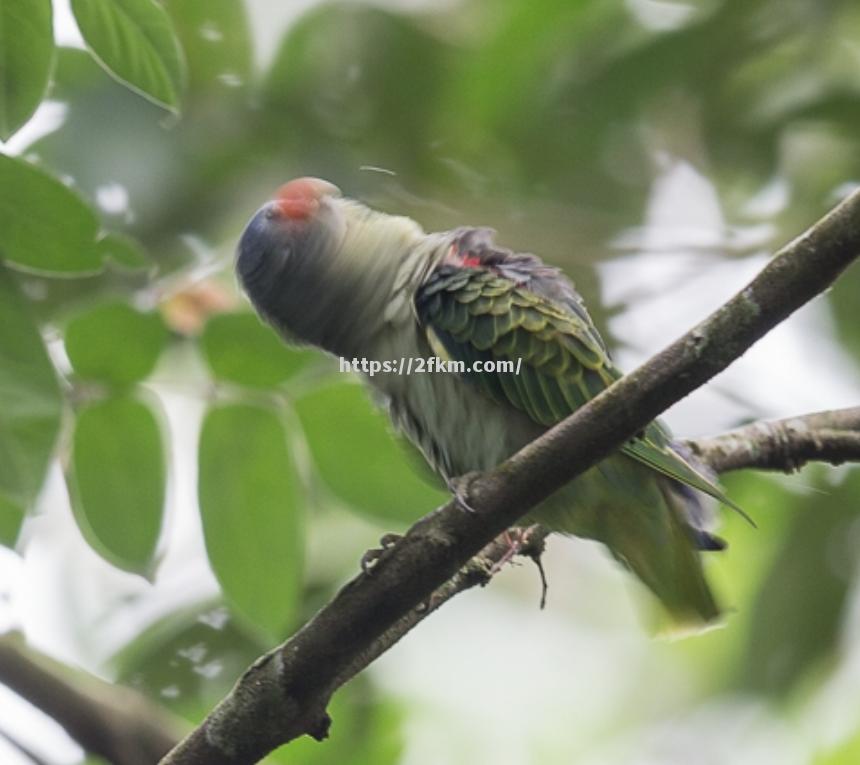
(705, 541)
(650, 526)
(679, 579)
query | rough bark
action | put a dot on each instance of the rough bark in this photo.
(785, 445)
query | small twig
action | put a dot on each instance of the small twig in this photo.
(534, 548)
(785, 445)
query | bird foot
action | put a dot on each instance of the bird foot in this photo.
(513, 538)
(371, 557)
(459, 488)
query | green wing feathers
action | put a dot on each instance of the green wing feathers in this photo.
(473, 313)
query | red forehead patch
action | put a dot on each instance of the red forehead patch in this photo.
(300, 198)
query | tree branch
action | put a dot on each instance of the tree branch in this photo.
(112, 722)
(22, 749)
(786, 445)
(830, 436)
(285, 693)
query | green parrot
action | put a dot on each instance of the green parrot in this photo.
(331, 272)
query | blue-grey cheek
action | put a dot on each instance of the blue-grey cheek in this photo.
(260, 253)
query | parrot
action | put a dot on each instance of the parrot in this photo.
(329, 271)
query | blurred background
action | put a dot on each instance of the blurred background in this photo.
(210, 489)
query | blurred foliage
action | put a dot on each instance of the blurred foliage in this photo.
(62, 242)
(811, 574)
(26, 39)
(191, 658)
(239, 349)
(30, 406)
(251, 511)
(115, 344)
(134, 41)
(117, 480)
(549, 120)
(362, 476)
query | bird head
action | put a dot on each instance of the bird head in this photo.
(321, 267)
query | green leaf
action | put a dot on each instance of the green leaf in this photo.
(241, 349)
(216, 40)
(135, 42)
(523, 47)
(11, 520)
(30, 407)
(26, 59)
(384, 107)
(179, 652)
(117, 481)
(124, 251)
(45, 227)
(800, 606)
(250, 503)
(359, 457)
(115, 343)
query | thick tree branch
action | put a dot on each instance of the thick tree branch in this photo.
(112, 722)
(830, 436)
(785, 445)
(285, 693)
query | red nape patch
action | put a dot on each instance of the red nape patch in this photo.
(300, 199)
(455, 257)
